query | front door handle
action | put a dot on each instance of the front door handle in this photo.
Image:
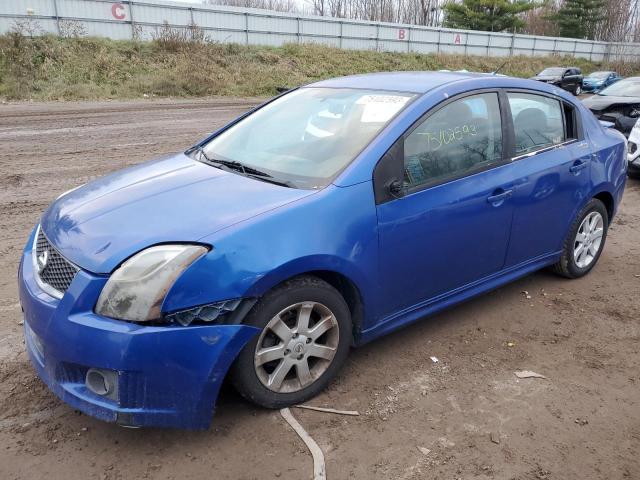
(499, 196)
(577, 166)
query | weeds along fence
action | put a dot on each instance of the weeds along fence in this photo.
(143, 20)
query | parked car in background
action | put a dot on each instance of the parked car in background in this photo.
(596, 81)
(618, 104)
(567, 78)
(634, 151)
(324, 218)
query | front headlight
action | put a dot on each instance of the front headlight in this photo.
(136, 290)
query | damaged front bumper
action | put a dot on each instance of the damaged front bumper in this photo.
(163, 376)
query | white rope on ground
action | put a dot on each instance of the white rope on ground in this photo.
(352, 413)
(319, 470)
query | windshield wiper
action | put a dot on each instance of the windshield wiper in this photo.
(270, 179)
(244, 169)
(241, 167)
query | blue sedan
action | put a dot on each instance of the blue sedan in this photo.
(596, 81)
(323, 219)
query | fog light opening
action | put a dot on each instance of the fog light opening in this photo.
(98, 382)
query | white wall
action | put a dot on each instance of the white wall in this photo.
(126, 18)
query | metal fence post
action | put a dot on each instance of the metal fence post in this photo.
(409, 40)
(340, 37)
(133, 23)
(513, 42)
(55, 12)
(191, 15)
(246, 28)
(533, 49)
(378, 38)
(439, 40)
(591, 52)
(298, 29)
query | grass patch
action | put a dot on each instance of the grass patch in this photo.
(84, 68)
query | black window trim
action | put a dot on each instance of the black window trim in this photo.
(563, 103)
(396, 153)
(390, 167)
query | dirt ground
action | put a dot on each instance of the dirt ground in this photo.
(475, 418)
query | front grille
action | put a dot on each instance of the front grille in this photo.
(57, 272)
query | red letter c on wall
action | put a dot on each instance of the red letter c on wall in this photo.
(117, 10)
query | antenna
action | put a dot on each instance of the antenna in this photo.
(499, 68)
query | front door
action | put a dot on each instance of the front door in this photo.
(451, 225)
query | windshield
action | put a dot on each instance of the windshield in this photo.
(599, 75)
(623, 88)
(552, 72)
(308, 136)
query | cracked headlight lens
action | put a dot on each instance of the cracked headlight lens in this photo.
(135, 291)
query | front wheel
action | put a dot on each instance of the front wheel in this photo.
(305, 338)
(585, 241)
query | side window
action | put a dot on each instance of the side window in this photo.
(537, 122)
(459, 139)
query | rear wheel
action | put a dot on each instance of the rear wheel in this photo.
(578, 90)
(305, 338)
(585, 241)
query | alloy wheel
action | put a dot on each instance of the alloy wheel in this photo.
(296, 347)
(588, 239)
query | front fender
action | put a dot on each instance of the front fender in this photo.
(333, 230)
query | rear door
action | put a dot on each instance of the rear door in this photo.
(448, 224)
(551, 174)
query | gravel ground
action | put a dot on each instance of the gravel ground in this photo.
(466, 417)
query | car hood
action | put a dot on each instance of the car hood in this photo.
(545, 78)
(175, 199)
(601, 102)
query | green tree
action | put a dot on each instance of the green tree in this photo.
(579, 18)
(487, 15)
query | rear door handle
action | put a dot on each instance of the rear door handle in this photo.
(579, 165)
(499, 196)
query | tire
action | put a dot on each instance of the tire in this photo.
(571, 265)
(578, 90)
(259, 379)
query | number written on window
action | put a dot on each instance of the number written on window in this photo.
(459, 139)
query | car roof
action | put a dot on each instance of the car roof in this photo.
(414, 82)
